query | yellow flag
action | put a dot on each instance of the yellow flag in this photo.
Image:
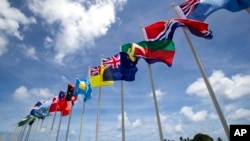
(97, 80)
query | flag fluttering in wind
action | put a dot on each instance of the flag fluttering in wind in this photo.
(44, 108)
(165, 29)
(54, 105)
(59, 104)
(70, 94)
(201, 9)
(96, 77)
(35, 110)
(26, 120)
(119, 67)
(83, 87)
(152, 51)
(63, 104)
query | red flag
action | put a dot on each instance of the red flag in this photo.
(54, 106)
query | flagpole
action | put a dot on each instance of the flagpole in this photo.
(59, 126)
(20, 133)
(205, 78)
(122, 111)
(82, 117)
(155, 103)
(46, 126)
(52, 125)
(69, 120)
(25, 126)
(98, 115)
(39, 131)
(28, 133)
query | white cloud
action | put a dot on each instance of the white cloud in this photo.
(232, 88)
(80, 22)
(128, 123)
(198, 116)
(159, 94)
(240, 114)
(29, 52)
(10, 21)
(23, 94)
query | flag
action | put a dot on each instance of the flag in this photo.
(35, 110)
(44, 108)
(152, 51)
(63, 104)
(70, 92)
(83, 87)
(165, 29)
(25, 120)
(96, 77)
(119, 67)
(54, 105)
(201, 9)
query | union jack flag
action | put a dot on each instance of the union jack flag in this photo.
(188, 6)
(113, 61)
(95, 71)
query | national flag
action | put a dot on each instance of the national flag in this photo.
(70, 92)
(119, 67)
(63, 104)
(25, 120)
(54, 105)
(165, 29)
(82, 86)
(43, 110)
(96, 77)
(35, 110)
(201, 9)
(152, 51)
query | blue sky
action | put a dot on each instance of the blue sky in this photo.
(45, 44)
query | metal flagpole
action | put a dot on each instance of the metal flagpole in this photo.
(20, 133)
(46, 126)
(59, 126)
(51, 130)
(122, 111)
(204, 75)
(69, 120)
(28, 133)
(25, 126)
(155, 103)
(98, 114)
(39, 131)
(83, 111)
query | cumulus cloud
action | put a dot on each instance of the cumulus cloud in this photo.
(159, 94)
(241, 113)
(29, 52)
(10, 21)
(23, 94)
(232, 88)
(79, 22)
(198, 116)
(128, 123)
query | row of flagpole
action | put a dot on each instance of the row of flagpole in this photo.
(22, 131)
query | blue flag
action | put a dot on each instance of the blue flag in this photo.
(201, 9)
(83, 87)
(119, 67)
